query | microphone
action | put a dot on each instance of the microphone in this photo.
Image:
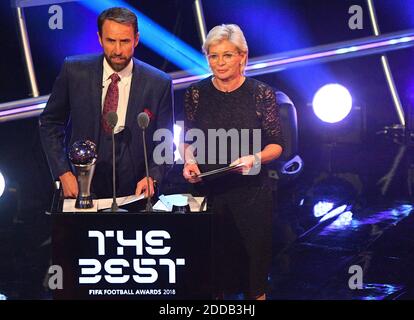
(112, 120)
(143, 122)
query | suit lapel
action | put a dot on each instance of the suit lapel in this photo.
(136, 95)
(96, 94)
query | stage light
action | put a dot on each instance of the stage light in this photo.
(333, 213)
(332, 103)
(321, 208)
(2, 184)
(344, 220)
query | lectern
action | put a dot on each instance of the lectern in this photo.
(133, 255)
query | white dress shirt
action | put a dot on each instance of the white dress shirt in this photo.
(124, 87)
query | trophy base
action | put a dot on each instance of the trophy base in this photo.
(84, 203)
(181, 209)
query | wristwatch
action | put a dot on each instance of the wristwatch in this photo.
(190, 161)
(257, 161)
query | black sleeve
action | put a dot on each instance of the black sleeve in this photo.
(269, 111)
(165, 120)
(52, 125)
(191, 99)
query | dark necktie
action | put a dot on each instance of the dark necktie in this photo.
(111, 101)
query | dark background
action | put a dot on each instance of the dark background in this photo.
(360, 157)
(270, 27)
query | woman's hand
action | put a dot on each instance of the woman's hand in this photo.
(191, 172)
(248, 163)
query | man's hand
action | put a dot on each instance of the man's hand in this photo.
(69, 185)
(142, 187)
(190, 173)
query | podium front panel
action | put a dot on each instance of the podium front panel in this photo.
(133, 255)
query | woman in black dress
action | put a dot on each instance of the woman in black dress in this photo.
(244, 109)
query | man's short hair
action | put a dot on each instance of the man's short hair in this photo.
(120, 15)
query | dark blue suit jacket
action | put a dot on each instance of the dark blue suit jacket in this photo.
(73, 111)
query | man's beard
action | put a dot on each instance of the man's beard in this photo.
(118, 66)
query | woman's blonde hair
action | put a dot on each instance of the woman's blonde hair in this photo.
(230, 32)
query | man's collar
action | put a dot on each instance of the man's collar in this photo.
(108, 71)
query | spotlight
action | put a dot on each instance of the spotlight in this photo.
(333, 213)
(344, 219)
(332, 103)
(322, 207)
(2, 184)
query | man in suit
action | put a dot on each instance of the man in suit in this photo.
(90, 86)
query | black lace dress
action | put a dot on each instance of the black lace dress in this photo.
(242, 203)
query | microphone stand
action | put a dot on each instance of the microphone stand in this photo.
(148, 207)
(114, 206)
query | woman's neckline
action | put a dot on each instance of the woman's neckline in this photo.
(227, 92)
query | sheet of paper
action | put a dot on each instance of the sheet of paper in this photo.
(178, 200)
(166, 202)
(195, 203)
(99, 204)
(69, 206)
(107, 202)
(160, 206)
